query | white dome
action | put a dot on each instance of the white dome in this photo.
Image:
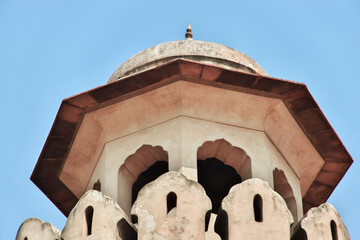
(200, 51)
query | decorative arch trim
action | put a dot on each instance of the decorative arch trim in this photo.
(228, 154)
(133, 166)
(141, 160)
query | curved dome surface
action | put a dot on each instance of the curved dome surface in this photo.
(201, 51)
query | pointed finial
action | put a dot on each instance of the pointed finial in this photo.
(188, 33)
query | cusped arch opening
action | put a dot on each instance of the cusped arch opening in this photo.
(220, 166)
(217, 178)
(230, 155)
(145, 165)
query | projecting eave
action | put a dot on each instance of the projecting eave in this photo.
(295, 96)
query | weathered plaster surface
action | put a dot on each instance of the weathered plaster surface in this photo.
(105, 218)
(207, 52)
(317, 224)
(186, 218)
(36, 229)
(239, 207)
(185, 221)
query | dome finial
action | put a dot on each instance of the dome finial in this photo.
(188, 33)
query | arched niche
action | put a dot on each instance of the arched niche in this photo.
(89, 214)
(139, 168)
(282, 187)
(258, 208)
(333, 228)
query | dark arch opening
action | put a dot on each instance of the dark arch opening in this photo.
(134, 219)
(89, 213)
(152, 173)
(207, 220)
(258, 208)
(126, 232)
(171, 200)
(222, 225)
(25, 238)
(299, 233)
(217, 178)
(334, 233)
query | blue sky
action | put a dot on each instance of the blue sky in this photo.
(50, 50)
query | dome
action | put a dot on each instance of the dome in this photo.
(195, 50)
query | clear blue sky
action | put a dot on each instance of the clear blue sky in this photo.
(50, 50)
